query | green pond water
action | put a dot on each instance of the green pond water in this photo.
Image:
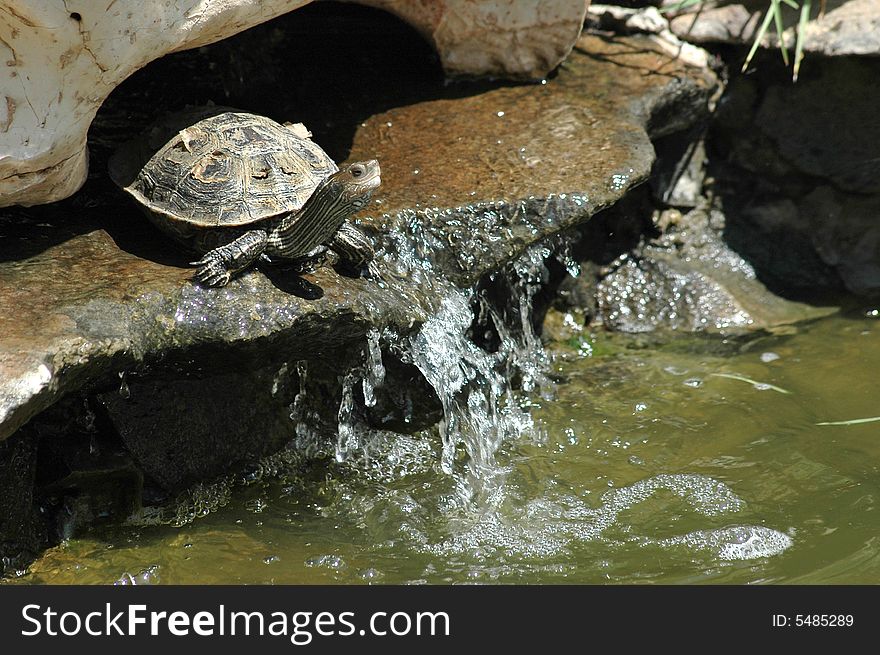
(647, 467)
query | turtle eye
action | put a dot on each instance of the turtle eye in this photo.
(357, 171)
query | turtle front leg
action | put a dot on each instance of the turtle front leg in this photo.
(352, 246)
(218, 266)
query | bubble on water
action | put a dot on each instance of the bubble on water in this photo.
(256, 505)
(332, 562)
(569, 321)
(147, 576)
(693, 382)
(769, 357)
(706, 495)
(741, 542)
(370, 575)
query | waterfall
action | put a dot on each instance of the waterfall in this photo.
(480, 407)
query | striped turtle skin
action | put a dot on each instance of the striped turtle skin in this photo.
(236, 186)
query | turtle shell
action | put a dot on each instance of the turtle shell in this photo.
(226, 170)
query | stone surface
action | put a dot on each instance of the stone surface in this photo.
(811, 124)
(64, 59)
(685, 278)
(797, 166)
(846, 234)
(471, 179)
(725, 23)
(178, 438)
(645, 20)
(22, 533)
(506, 38)
(848, 27)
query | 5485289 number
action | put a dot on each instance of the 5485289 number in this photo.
(824, 620)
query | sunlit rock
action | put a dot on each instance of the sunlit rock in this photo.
(848, 27)
(64, 58)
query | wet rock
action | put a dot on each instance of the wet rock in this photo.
(181, 431)
(64, 59)
(684, 278)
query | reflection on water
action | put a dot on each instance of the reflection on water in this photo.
(648, 466)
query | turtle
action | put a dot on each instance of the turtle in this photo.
(237, 187)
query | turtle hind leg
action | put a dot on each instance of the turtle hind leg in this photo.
(218, 266)
(354, 248)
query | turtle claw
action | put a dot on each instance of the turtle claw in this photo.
(212, 273)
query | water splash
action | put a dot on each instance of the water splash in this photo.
(556, 521)
(124, 391)
(520, 348)
(347, 440)
(478, 407)
(374, 370)
(308, 439)
(148, 576)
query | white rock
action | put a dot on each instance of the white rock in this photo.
(649, 20)
(64, 57)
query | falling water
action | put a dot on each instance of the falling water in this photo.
(347, 436)
(374, 370)
(305, 418)
(479, 410)
(520, 347)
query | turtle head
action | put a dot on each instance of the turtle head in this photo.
(335, 199)
(352, 186)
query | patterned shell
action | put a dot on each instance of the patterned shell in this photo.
(231, 169)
